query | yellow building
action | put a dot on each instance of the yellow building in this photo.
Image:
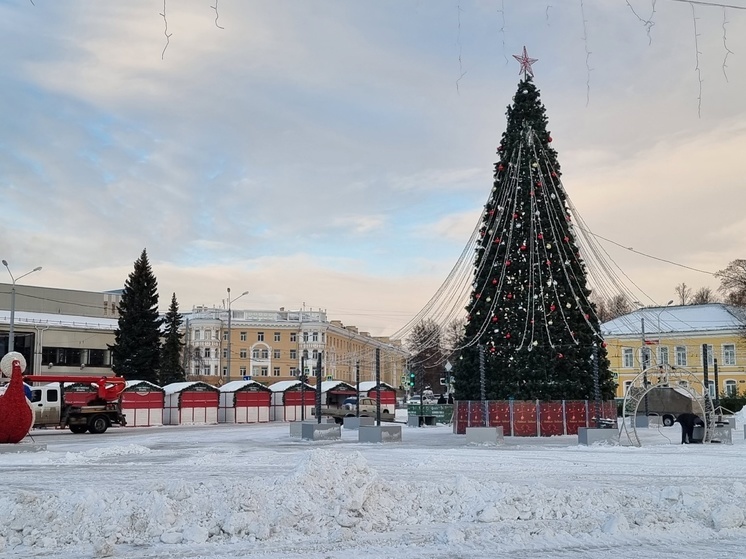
(270, 346)
(680, 336)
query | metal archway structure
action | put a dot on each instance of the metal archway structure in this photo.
(665, 377)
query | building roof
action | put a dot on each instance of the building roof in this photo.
(175, 387)
(283, 385)
(133, 383)
(328, 385)
(23, 318)
(371, 385)
(236, 385)
(681, 319)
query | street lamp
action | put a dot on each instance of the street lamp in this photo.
(13, 301)
(228, 377)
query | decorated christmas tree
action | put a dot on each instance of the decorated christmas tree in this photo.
(530, 314)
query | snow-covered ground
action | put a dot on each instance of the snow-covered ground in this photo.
(253, 491)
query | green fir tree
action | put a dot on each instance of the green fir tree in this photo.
(530, 309)
(172, 369)
(135, 353)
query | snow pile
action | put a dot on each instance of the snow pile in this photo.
(336, 496)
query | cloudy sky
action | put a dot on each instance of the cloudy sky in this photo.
(337, 153)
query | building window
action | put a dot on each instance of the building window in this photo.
(207, 352)
(225, 371)
(197, 354)
(710, 356)
(681, 356)
(96, 357)
(276, 354)
(225, 336)
(315, 336)
(265, 371)
(61, 355)
(663, 355)
(243, 354)
(208, 334)
(242, 371)
(255, 371)
(225, 353)
(293, 354)
(277, 336)
(628, 358)
(315, 354)
(305, 336)
(293, 336)
(276, 371)
(711, 386)
(255, 354)
(243, 336)
(206, 371)
(260, 336)
(627, 384)
(729, 354)
(645, 357)
(293, 371)
(730, 388)
(265, 354)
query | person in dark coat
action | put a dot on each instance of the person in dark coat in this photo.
(688, 422)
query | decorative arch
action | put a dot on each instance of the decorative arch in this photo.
(665, 376)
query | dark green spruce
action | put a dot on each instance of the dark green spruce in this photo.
(135, 354)
(172, 369)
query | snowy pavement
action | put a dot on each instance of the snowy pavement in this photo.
(229, 491)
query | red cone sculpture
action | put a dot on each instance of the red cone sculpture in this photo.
(16, 416)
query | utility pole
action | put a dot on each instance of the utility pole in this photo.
(318, 386)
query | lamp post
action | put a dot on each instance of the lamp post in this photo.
(660, 312)
(228, 376)
(13, 301)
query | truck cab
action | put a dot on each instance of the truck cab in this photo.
(46, 401)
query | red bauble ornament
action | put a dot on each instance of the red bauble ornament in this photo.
(560, 356)
(500, 167)
(507, 262)
(538, 183)
(492, 349)
(603, 344)
(500, 147)
(587, 317)
(516, 215)
(566, 239)
(507, 336)
(540, 236)
(552, 308)
(523, 247)
(549, 263)
(494, 319)
(477, 296)
(509, 296)
(554, 174)
(494, 281)
(549, 139)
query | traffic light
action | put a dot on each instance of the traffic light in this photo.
(411, 379)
